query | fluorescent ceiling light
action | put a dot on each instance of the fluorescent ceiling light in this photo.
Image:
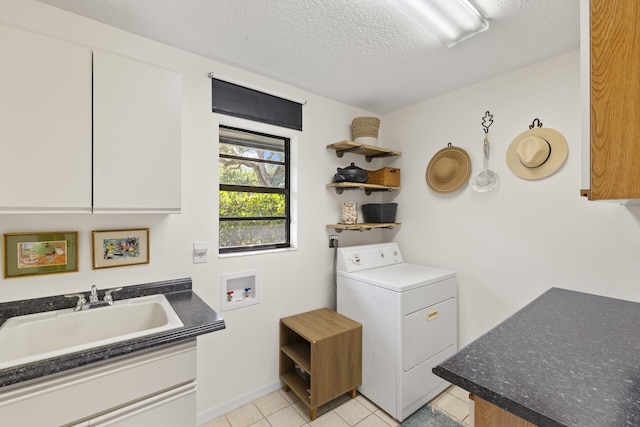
(449, 20)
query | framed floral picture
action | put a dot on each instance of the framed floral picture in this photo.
(118, 248)
(27, 254)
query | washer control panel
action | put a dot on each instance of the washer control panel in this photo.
(356, 258)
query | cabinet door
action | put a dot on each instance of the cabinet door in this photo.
(45, 124)
(615, 100)
(173, 408)
(107, 387)
(137, 136)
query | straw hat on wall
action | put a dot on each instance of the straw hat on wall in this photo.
(448, 170)
(537, 153)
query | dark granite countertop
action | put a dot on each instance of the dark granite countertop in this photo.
(566, 359)
(198, 318)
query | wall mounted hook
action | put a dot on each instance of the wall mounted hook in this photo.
(536, 120)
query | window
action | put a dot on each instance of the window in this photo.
(254, 191)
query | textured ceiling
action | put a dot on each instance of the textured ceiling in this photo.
(360, 52)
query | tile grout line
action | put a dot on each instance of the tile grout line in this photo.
(291, 402)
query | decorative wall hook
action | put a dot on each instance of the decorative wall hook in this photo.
(536, 120)
(487, 121)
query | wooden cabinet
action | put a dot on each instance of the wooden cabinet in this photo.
(369, 152)
(611, 58)
(45, 124)
(136, 136)
(84, 131)
(320, 356)
(487, 414)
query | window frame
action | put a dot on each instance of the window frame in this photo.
(286, 192)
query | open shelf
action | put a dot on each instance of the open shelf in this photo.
(362, 226)
(299, 387)
(368, 151)
(368, 188)
(300, 353)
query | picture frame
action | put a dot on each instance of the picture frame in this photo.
(33, 253)
(119, 248)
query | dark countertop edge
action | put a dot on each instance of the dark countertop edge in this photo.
(198, 319)
(500, 401)
(497, 399)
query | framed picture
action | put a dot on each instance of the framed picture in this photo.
(27, 254)
(117, 248)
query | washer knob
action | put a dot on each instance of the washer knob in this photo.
(355, 259)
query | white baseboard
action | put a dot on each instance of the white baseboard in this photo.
(213, 413)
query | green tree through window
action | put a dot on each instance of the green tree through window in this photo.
(254, 191)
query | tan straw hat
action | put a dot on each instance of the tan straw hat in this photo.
(448, 170)
(537, 153)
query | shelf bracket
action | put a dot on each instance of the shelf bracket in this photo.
(377, 156)
(340, 153)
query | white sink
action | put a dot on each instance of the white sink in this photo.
(39, 336)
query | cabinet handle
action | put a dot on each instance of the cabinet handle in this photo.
(432, 315)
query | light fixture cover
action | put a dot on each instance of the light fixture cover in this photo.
(451, 21)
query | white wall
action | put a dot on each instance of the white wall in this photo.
(511, 244)
(507, 246)
(240, 363)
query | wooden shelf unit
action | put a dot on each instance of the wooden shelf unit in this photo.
(370, 152)
(328, 347)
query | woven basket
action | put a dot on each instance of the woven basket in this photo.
(384, 176)
(365, 127)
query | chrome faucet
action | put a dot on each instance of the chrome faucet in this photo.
(93, 296)
(81, 300)
(108, 298)
(94, 299)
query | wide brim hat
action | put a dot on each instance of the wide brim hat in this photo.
(448, 170)
(537, 153)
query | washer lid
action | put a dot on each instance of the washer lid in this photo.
(400, 277)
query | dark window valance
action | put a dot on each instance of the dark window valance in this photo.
(238, 101)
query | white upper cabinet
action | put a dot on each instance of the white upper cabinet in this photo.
(45, 124)
(136, 136)
(82, 135)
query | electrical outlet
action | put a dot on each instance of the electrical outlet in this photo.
(200, 250)
(333, 241)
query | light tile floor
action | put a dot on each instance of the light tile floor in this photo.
(280, 409)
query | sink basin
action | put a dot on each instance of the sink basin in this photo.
(39, 336)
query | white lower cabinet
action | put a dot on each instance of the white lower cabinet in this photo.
(156, 388)
(172, 408)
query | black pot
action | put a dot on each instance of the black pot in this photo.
(351, 174)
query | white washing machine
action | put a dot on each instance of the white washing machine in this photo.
(409, 323)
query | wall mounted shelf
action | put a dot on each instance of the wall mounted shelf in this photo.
(363, 226)
(368, 188)
(368, 151)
